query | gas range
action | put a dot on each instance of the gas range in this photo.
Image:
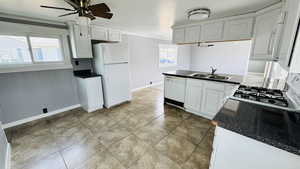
(268, 97)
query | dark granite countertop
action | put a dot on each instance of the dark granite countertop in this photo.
(85, 74)
(278, 128)
(234, 79)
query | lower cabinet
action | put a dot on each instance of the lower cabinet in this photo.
(205, 98)
(90, 93)
(213, 98)
(193, 95)
(235, 151)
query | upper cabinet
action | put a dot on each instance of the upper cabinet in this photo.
(265, 32)
(99, 33)
(192, 34)
(212, 31)
(233, 28)
(290, 14)
(179, 35)
(238, 29)
(80, 38)
(104, 34)
(114, 36)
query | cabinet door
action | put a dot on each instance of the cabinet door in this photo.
(115, 36)
(178, 35)
(83, 43)
(193, 95)
(239, 29)
(99, 33)
(264, 34)
(291, 14)
(213, 98)
(192, 34)
(212, 31)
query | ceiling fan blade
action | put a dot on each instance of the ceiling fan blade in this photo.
(73, 4)
(68, 14)
(99, 7)
(53, 7)
(104, 15)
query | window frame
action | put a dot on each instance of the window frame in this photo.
(159, 57)
(34, 65)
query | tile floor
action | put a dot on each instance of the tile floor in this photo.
(142, 134)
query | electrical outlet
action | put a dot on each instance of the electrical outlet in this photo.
(45, 110)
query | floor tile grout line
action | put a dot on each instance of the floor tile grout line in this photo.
(204, 137)
(64, 160)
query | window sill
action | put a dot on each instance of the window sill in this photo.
(32, 68)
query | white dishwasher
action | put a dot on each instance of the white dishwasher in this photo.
(174, 90)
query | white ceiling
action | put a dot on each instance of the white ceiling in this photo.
(152, 18)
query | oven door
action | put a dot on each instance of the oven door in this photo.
(4, 150)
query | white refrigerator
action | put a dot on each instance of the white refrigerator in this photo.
(111, 60)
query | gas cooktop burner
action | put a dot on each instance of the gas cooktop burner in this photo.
(263, 95)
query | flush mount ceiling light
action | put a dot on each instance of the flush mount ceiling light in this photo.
(199, 14)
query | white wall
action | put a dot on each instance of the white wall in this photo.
(144, 60)
(227, 57)
(257, 66)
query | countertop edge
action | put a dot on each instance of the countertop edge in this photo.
(215, 80)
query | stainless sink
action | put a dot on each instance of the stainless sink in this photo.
(218, 77)
(200, 75)
(210, 76)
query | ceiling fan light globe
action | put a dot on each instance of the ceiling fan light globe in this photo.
(198, 14)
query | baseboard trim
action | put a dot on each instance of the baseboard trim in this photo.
(153, 84)
(26, 120)
(8, 157)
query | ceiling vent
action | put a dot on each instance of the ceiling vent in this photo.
(199, 14)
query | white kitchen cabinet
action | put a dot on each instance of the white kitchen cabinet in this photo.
(114, 35)
(291, 12)
(265, 32)
(212, 31)
(80, 41)
(90, 93)
(234, 151)
(99, 33)
(179, 35)
(192, 34)
(205, 98)
(238, 29)
(193, 95)
(174, 88)
(213, 98)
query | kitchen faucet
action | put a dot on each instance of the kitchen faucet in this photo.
(213, 70)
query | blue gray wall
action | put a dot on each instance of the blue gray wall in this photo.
(25, 94)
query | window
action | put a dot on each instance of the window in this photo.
(14, 50)
(167, 55)
(26, 50)
(46, 49)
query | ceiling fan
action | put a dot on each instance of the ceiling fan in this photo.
(85, 9)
